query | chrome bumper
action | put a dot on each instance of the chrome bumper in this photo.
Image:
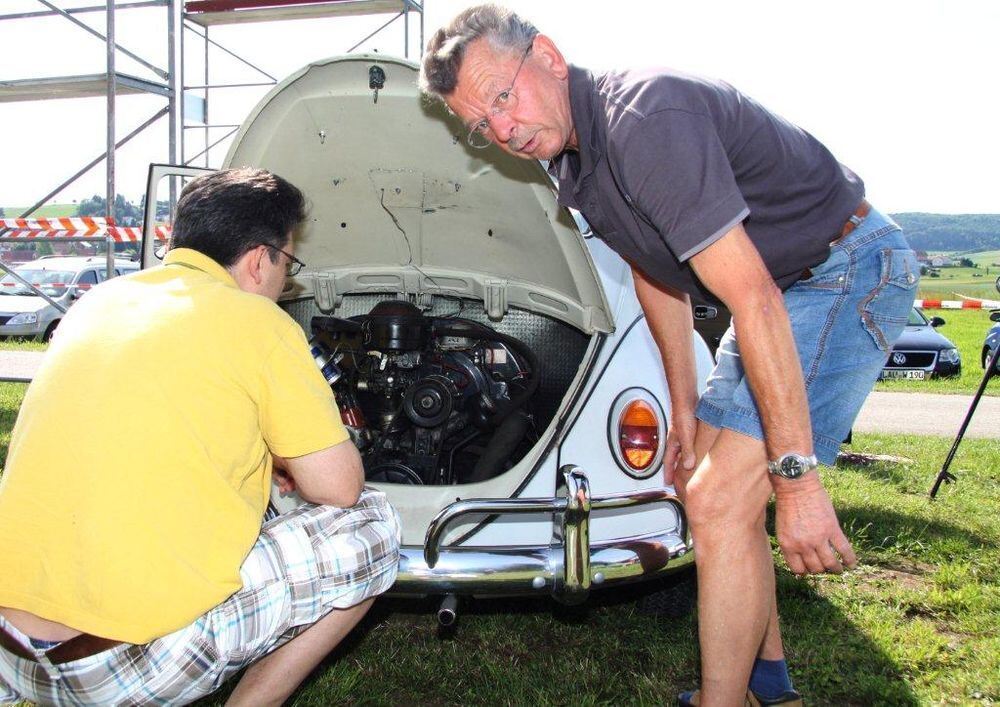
(567, 571)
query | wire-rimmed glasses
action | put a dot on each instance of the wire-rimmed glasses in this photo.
(293, 266)
(480, 133)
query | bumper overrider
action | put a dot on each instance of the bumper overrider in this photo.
(566, 570)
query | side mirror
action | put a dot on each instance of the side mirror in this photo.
(705, 311)
(937, 321)
(995, 315)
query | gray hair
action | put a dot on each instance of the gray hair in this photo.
(502, 28)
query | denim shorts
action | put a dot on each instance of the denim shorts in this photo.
(844, 320)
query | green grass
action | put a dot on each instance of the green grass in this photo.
(966, 328)
(11, 395)
(22, 345)
(985, 259)
(915, 624)
(46, 211)
(973, 282)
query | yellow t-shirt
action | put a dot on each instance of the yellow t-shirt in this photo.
(139, 467)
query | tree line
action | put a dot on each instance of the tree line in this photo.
(951, 232)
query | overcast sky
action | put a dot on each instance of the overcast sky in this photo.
(902, 91)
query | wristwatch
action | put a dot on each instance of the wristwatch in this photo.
(792, 466)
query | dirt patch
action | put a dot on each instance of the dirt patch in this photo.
(862, 459)
(955, 640)
(908, 575)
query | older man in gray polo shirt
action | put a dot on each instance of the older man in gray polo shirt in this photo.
(704, 192)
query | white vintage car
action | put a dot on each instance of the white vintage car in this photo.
(492, 363)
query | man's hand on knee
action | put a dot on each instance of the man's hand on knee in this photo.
(808, 531)
(679, 460)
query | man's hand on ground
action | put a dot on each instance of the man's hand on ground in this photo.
(807, 528)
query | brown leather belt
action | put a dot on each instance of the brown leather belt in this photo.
(852, 222)
(82, 646)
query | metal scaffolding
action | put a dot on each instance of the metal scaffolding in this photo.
(196, 17)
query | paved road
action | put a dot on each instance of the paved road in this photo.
(928, 414)
(19, 365)
(913, 413)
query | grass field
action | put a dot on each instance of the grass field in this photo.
(973, 282)
(915, 624)
(966, 328)
(22, 345)
(47, 211)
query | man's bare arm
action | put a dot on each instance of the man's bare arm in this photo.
(333, 476)
(733, 269)
(668, 315)
(807, 526)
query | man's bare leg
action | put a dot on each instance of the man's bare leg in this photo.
(272, 679)
(771, 647)
(726, 499)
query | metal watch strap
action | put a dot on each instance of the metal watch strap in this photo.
(809, 462)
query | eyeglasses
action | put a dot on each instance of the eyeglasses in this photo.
(480, 134)
(293, 266)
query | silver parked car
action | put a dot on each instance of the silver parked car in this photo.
(493, 366)
(25, 313)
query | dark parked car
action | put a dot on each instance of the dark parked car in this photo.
(992, 339)
(921, 352)
(711, 321)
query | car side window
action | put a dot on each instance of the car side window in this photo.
(87, 277)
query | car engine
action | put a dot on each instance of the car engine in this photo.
(428, 400)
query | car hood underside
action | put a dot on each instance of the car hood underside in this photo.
(400, 203)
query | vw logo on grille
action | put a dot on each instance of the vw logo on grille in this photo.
(898, 358)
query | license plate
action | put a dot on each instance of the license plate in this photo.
(888, 373)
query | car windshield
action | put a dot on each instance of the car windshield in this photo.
(916, 318)
(52, 282)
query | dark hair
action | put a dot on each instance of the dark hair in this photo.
(502, 28)
(228, 213)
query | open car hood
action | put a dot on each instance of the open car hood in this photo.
(399, 203)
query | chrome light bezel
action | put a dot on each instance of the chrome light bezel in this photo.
(624, 398)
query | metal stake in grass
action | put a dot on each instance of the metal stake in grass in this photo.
(944, 476)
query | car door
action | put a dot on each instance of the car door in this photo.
(163, 185)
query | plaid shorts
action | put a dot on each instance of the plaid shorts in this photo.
(303, 565)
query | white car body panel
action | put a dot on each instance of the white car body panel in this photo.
(478, 225)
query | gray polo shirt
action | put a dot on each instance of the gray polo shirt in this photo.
(669, 163)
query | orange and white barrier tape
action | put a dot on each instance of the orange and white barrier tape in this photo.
(85, 224)
(79, 286)
(77, 227)
(956, 304)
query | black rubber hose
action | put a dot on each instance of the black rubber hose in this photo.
(500, 447)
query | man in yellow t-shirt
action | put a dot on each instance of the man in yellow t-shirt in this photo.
(134, 562)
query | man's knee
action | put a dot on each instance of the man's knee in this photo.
(385, 524)
(371, 531)
(718, 499)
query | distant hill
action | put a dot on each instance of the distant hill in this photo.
(950, 232)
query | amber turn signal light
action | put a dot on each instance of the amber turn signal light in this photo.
(638, 434)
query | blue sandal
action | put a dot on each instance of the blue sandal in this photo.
(789, 698)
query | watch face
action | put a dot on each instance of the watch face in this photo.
(792, 466)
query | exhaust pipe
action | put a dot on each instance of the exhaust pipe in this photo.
(448, 611)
